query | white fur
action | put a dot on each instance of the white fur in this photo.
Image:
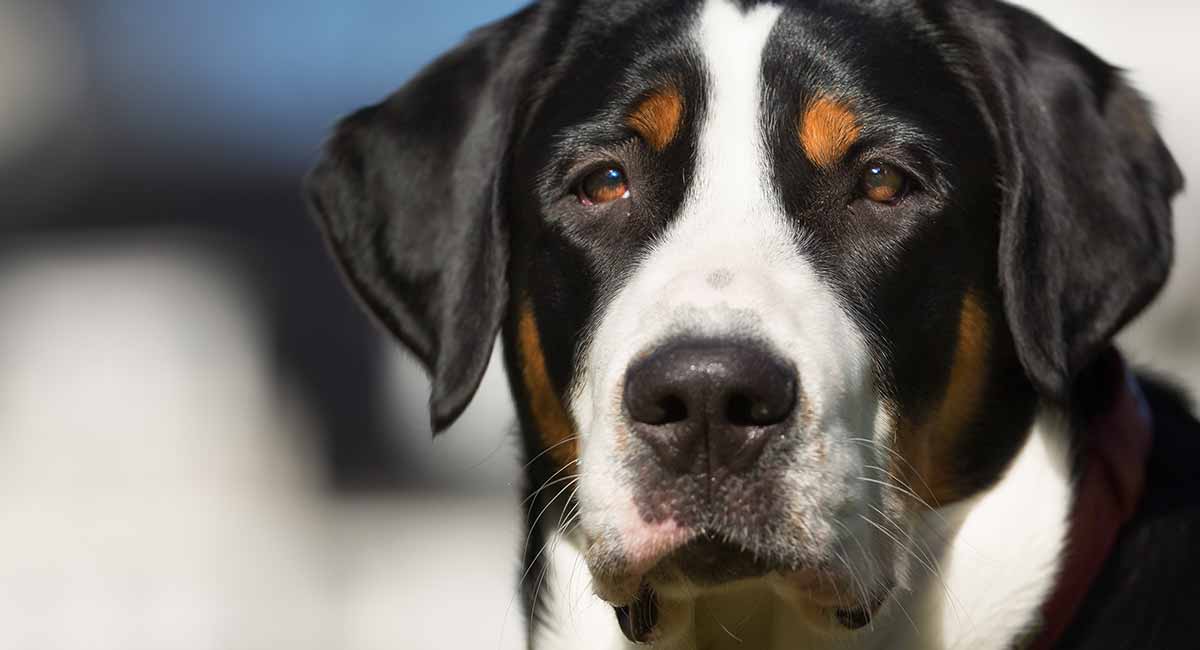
(577, 619)
(1005, 556)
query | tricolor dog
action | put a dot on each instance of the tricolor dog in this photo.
(807, 309)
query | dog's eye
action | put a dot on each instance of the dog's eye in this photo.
(604, 185)
(883, 183)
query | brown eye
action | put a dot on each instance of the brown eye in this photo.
(603, 186)
(883, 183)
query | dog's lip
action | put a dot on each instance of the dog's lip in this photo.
(701, 559)
(698, 557)
(619, 572)
(859, 616)
(639, 619)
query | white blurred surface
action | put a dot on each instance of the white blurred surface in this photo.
(156, 492)
(150, 495)
(433, 572)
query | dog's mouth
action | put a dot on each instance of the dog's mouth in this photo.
(639, 619)
(712, 562)
(707, 562)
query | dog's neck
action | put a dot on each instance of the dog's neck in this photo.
(996, 559)
(999, 557)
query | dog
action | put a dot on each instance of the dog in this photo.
(807, 310)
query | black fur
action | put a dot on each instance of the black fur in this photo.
(412, 197)
(1086, 231)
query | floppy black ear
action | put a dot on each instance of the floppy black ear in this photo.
(410, 195)
(1085, 236)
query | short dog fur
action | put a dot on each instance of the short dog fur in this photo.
(807, 309)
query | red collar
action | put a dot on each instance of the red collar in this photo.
(1110, 487)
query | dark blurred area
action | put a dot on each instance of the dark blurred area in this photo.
(195, 122)
(204, 442)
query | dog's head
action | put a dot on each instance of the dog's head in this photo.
(771, 276)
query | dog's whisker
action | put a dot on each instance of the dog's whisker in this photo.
(893, 453)
(903, 610)
(898, 488)
(726, 630)
(529, 499)
(532, 528)
(907, 491)
(564, 441)
(917, 544)
(898, 543)
(571, 522)
(535, 560)
(934, 572)
(556, 538)
(575, 564)
(902, 484)
(855, 579)
(840, 555)
(534, 523)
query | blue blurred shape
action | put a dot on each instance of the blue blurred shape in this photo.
(261, 81)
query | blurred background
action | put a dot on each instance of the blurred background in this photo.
(203, 443)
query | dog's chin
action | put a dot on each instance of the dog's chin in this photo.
(704, 565)
(709, 565)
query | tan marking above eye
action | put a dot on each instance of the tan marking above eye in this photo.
(657, 118)
(554, 423)
(828, 128)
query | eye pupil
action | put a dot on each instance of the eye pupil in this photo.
(603, 186)
(883, 183)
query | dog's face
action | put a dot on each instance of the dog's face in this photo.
(769, 257)
(774, 278)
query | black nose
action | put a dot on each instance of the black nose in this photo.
(709, 399)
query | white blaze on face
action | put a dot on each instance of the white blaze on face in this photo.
(730, 266)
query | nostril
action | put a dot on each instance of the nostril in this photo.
(745, 410)
(664, 410)
(670, 409)
(740, 410)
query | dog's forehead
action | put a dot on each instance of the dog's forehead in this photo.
(609, 56)
(826, 42)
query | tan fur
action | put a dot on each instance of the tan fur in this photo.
(930, 445)
(828, 129)
(657, 118)
(553, 421)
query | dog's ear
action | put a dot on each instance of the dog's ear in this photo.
(1085, 232)
(411, 198)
